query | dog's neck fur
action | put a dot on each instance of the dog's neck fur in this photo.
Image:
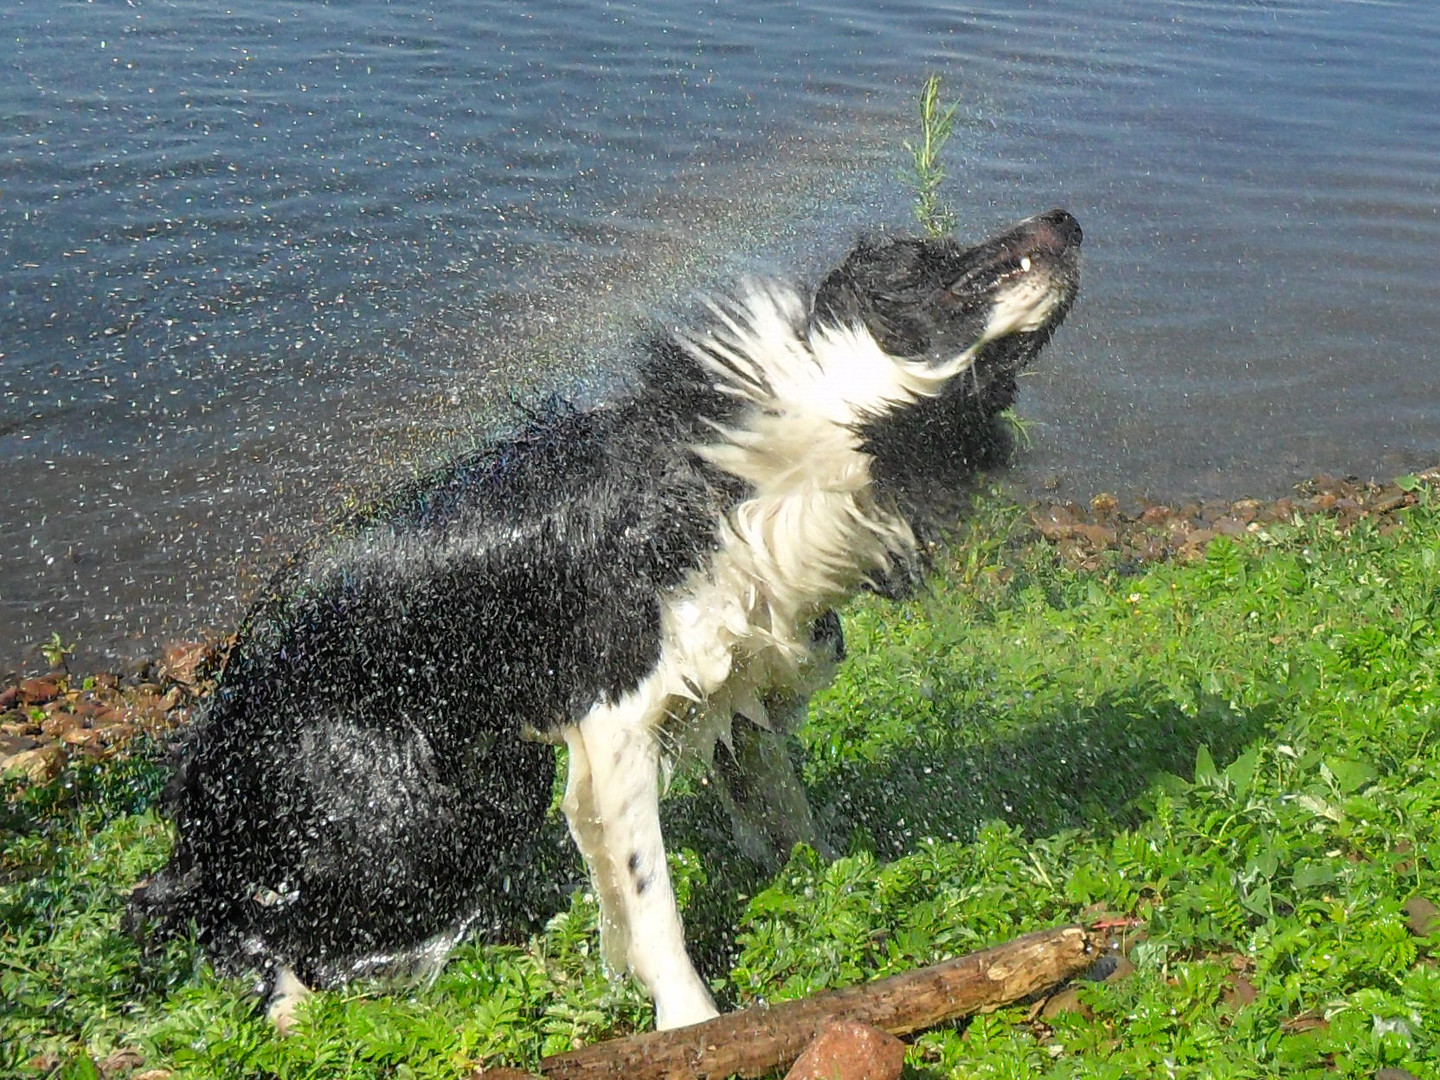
(811, 527)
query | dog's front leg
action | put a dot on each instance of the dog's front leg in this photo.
(612, 802)
(757, 785)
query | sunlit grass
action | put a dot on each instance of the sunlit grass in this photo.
(1241, 753)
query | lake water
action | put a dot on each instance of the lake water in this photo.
(259, 257)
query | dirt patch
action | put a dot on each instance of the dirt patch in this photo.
(46, 720)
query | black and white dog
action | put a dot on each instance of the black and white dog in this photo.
(650, 576)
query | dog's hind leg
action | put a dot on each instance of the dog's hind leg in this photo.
(583, 816)
(613, 806)
(286, 994)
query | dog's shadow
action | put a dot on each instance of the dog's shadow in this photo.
(1087, 766)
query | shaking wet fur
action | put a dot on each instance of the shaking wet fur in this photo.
(652, 576)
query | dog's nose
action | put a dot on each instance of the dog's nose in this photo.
(1066, 230)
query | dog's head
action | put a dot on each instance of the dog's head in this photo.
(986, 310)
(957, 325)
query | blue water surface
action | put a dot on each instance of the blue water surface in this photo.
(259, 258)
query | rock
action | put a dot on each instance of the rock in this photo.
(39, 765)
(1239, 992)
(39, 691)
(113, 735)
(850, 1050)
(185, 662)
(1306, 1021)
(1066, 1001)
(1055, 521)
(120, 1062)
(12, 743)
(58, 723)
(1104, 505)
(1421, 916)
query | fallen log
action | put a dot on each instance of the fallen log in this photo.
(763, 1039)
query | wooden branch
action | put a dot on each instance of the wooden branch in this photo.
(763, 1039)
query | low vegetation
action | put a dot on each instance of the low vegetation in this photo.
(1229, 757)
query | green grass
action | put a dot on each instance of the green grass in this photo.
(1242, 753)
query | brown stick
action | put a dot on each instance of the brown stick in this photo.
(762, 1039)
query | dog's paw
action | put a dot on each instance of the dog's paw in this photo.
(682, 1010)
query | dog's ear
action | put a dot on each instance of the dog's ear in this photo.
(888, 286)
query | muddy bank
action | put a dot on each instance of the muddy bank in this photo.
(49, 718)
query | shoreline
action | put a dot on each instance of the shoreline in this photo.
(49, 719)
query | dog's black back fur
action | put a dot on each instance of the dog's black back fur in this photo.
(362, 746)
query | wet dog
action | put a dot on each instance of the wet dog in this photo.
(651, 576)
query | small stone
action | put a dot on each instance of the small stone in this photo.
(111, 714)
(1055, 521)
(850, 1050)
(1392, 1072)
(1282, 509)
(1238, 992)
(120, 1062)
(114, 734)
(12, 743)
(1123, 969)
(1306, 1021)
(57, 724)
(184, 662)
(1389, 503)
(1101, 536)
(1402, 851)
(1104, 505)
(146, 705)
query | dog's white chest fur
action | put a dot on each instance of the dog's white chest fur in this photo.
(809, 534)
